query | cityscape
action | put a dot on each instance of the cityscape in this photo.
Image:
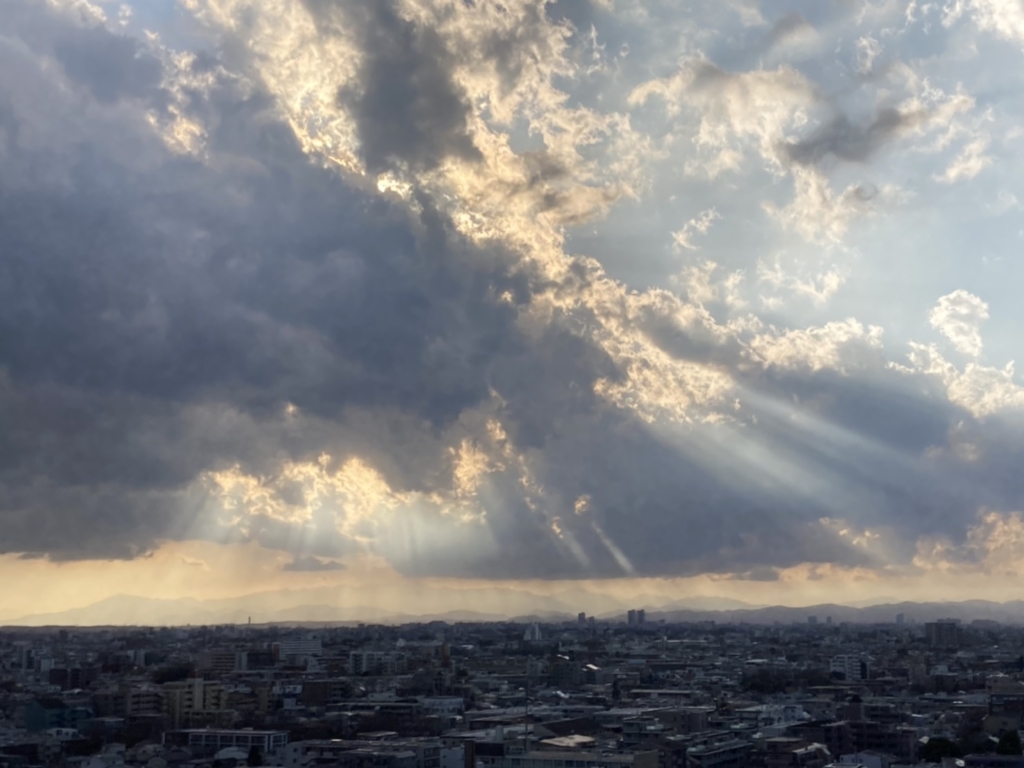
(574, 694)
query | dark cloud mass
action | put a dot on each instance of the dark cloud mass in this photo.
(406, 105)
(164, 316)
(129, 297)
(111, 67)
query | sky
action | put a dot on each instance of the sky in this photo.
(469, 303)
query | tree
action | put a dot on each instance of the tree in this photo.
(938, 748)
(255, 757)
(971, 729)
(1009, 744)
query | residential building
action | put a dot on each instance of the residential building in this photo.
(205, 742)
(189, 701)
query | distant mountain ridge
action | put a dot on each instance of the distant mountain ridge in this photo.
(273, 607)
(331, 604)
(969, 610)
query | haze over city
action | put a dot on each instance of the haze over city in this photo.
(372, 309)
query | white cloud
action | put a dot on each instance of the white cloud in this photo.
(994, 545)
(817, 213)
(701, 225)
(1004, 18)
(868, 51)
(1005, 201)
(958, 316)
(819, 287)
(781, 117)
(793, 38)
(838, 345)
(656, 384)
(971, 161)
(952, 12)
(701, 287)
(749, 12)
(758, 108)
(981, 390)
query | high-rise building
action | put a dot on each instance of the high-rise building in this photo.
(641, 617)
(944, 633)
(532, 634)
(900, 618)
(631, 618)
(23, 658)
(581, 619)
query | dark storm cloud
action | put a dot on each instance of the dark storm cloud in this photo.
(110, 66)
(406, 105)
(42, 519)
(677, 501)
(876, 437)
(128, 298)
(305, 290)
(159, 313)
(645, 490)
(887, 445)
(995, 454)
(548, 387)
(854, 473)
(652, 509)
